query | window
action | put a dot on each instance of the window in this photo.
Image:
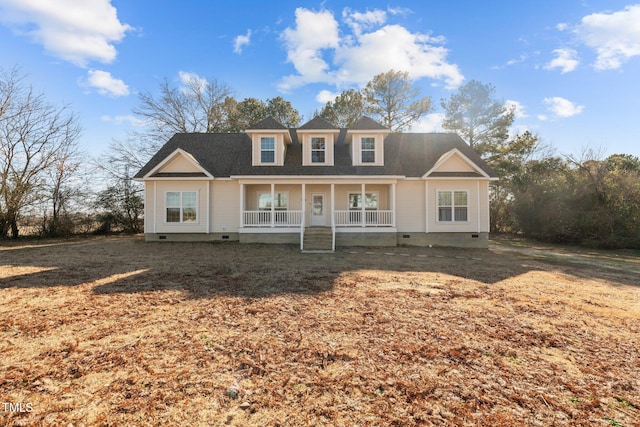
(318, 150)
(371, 201)
(281, 201)
(182, 206)
(267, 149)
(368, 149)
(452, 206)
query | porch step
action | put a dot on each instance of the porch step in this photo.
(317, 239)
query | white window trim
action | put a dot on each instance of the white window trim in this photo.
(197, 221)
(324, 150)
(377, 193)
(261, 150)
(374, 150)
(268, 193)
(453, 206)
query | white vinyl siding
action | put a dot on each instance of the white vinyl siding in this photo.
(225, 205)
(410, 206)
(192, 211)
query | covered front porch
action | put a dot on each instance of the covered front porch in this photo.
(286, 206)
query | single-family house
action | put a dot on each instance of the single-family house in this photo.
(318, 186)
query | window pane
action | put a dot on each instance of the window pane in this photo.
(173, 199)
(354, 201)
(189, 199)
(371, 201)
(444, 214)
(368, 157)
(317, 156)
(267, 143)
(188, 215)
(444, 198)
(173, 214)
(267, 157)
(461, 214)
(281, 201)
(460, 198)
(368, 143)
(264, 201)
(317, 144)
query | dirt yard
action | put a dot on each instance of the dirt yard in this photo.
(116, 331)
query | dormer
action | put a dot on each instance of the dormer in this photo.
(366, 137)
(318, 138)
(269, 140)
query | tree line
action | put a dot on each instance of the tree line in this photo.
(44, 175)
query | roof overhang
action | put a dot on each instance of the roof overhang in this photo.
(171, 157)
(285, 132)
(455, 152)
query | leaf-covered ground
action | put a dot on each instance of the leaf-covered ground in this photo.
(116, 331)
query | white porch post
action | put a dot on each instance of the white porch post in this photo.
(362, 209)
(208, 207)
(241, 205)
(393, 204)
(302, 205)
(333, 199)
(478, 195)
(426, 206)
(273, 204)
(155, 206)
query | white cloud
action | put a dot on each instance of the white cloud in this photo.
(519, 110)
(120, 120)
(561, 107)
(429, 123)
(76, 31)
(106, 84)
(314, 32)
(370, 49)
(241, 41)
(566, 60)
(562, 26)
(359, 21)
(325, 96)
(614, 36)
(192, 80)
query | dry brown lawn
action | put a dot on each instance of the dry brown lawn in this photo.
(116, 331)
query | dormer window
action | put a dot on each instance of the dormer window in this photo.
(318, 150)
(267, 149)
(368, 149)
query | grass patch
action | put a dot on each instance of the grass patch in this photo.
(116, 331)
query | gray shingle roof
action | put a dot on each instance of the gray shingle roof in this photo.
(405, 154)
(367, 123)
(268, 123)
(317, 123)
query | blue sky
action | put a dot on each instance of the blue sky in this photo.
(571, 67)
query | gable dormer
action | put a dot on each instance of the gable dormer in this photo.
(366, 137)
(318, 138)
(269, 140)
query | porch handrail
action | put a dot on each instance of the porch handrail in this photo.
(371, 218)
(268, 218)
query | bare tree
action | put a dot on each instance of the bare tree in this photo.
(33, 135)
(197, 106)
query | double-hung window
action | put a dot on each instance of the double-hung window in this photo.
(280, 202)
(318, 150)
(182, 206)
(370, 206)
(452, 206)
(267, 149)
(368, 150)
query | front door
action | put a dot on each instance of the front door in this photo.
(318, 217)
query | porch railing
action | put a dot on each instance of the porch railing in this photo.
(266, 219)
(371, 218)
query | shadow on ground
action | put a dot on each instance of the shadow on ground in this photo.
(202, 270)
